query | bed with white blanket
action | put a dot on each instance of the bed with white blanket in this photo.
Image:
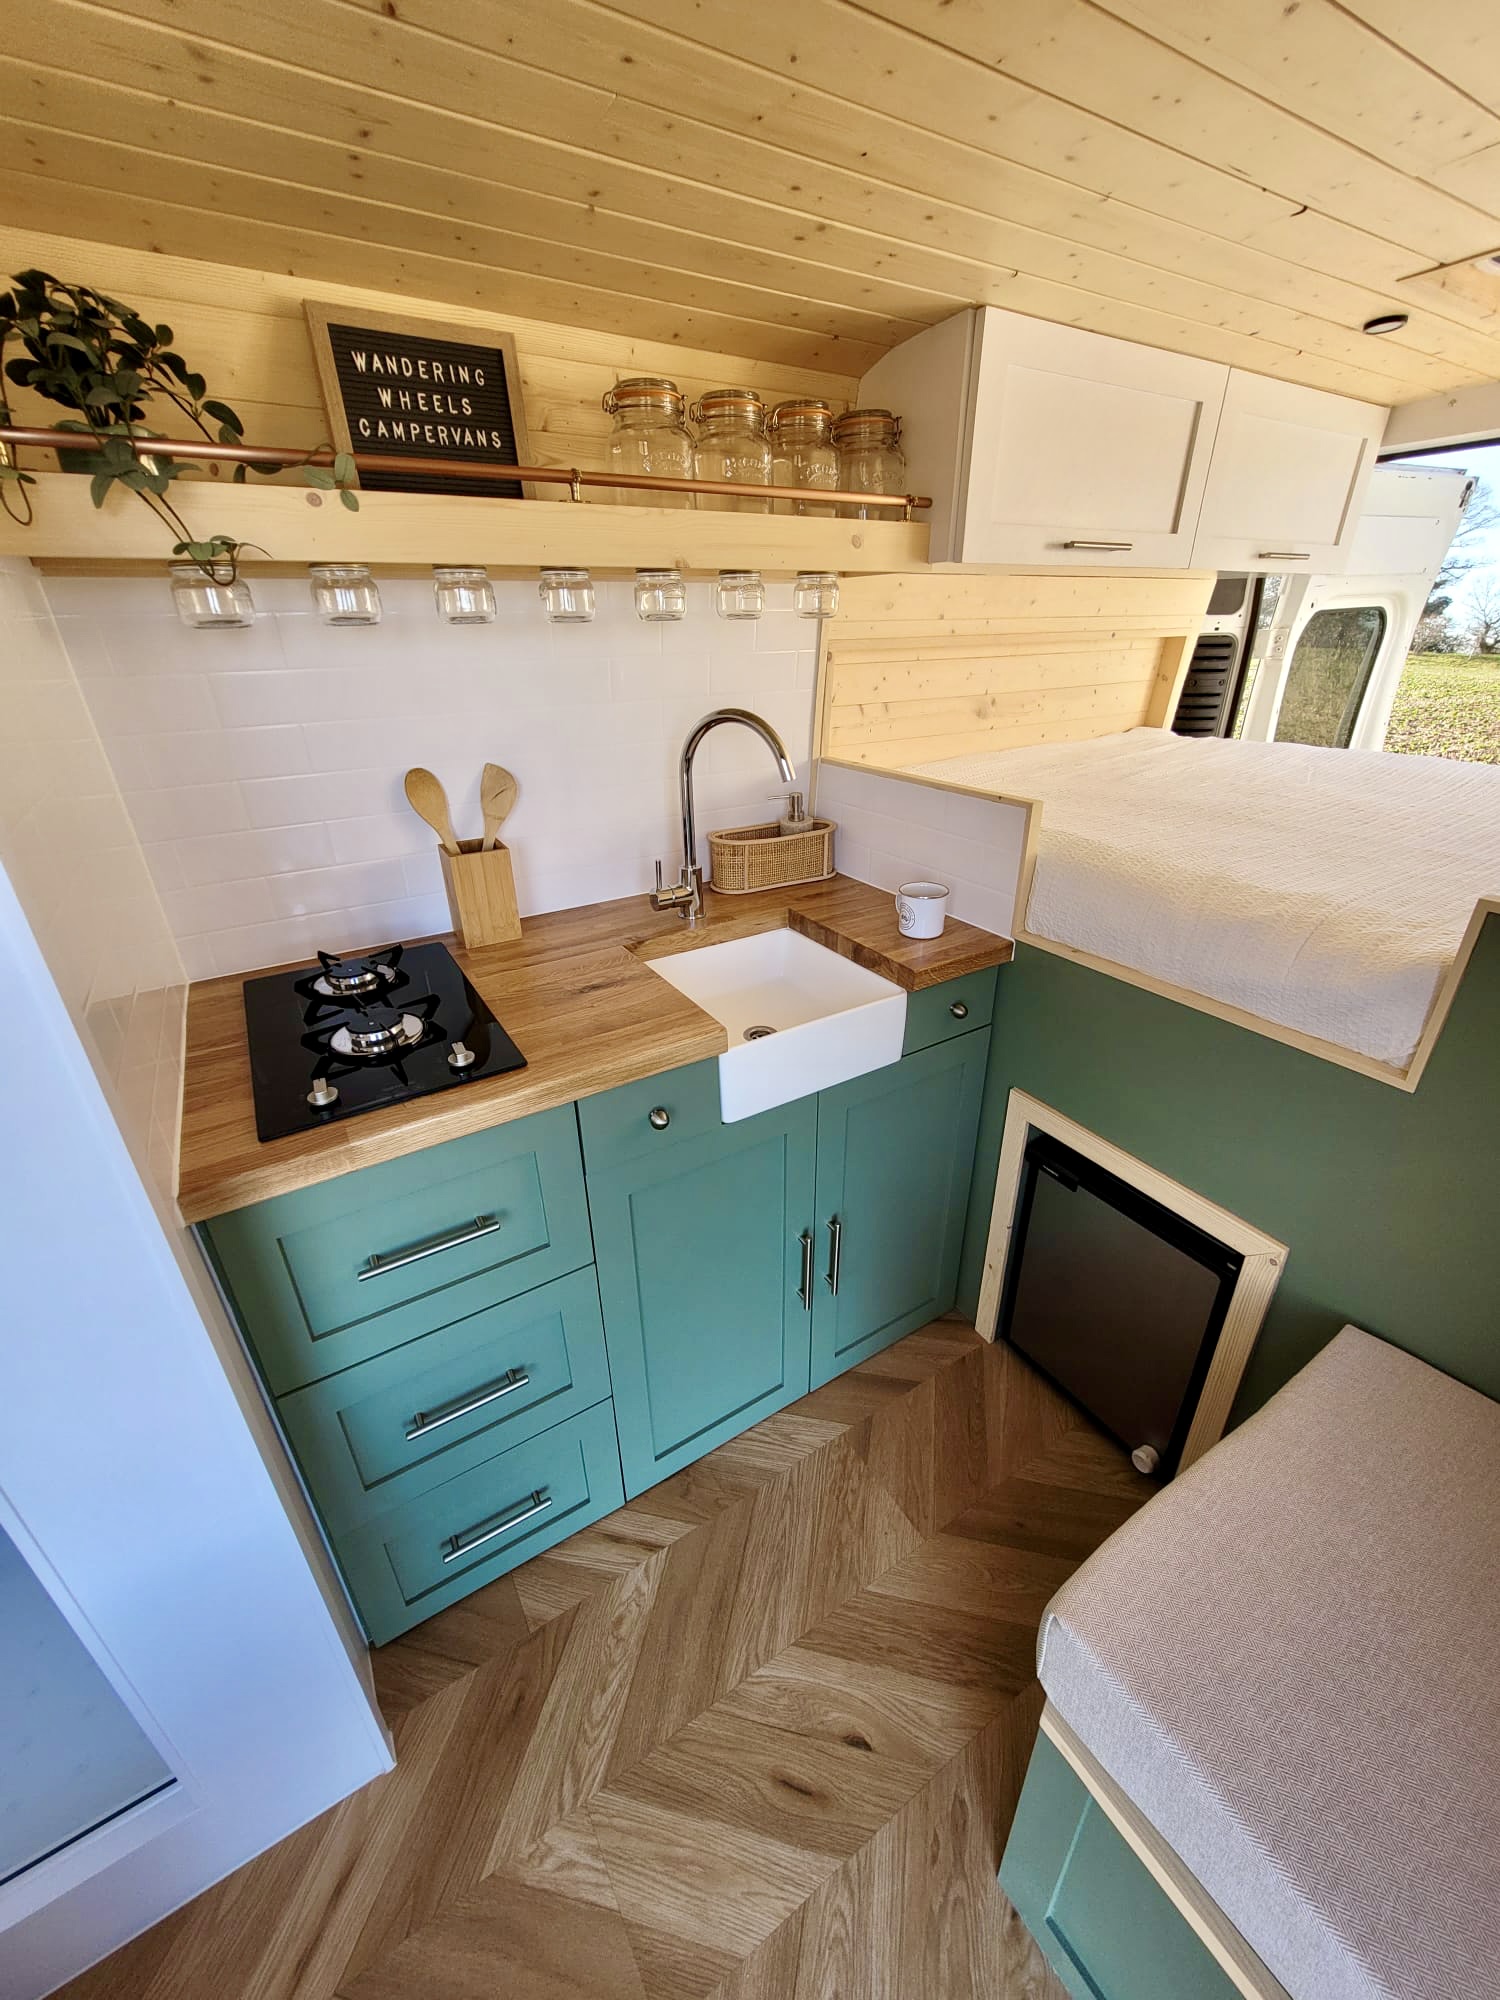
(1328, 891)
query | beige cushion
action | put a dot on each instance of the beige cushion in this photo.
(1290, 1661)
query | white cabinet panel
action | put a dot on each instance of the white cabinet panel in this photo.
(1084, 449)
(1044, 445)
(1289, 471)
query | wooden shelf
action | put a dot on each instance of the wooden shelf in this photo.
(295, 525)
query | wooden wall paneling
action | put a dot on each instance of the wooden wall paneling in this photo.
(246, 333)
(1326, 67)
(1456, 40)
(1039, 658)
(706, 145)
(1156, 68)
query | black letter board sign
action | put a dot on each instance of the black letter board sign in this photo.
(414, 388)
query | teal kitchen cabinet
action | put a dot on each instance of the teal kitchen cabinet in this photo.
(703, 1244)
(741, 1264)
(1107, 1930)
(895, 1155)
(353, 1267)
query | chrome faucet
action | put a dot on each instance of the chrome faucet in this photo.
(686, 894)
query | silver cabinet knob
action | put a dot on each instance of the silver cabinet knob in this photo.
(1145, 1458)
(960, 1010)
(660, 1118)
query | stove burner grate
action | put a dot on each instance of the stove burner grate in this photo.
(356, 978)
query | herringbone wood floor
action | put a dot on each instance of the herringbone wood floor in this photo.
(757, 1736)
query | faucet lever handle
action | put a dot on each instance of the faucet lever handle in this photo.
(658, 876)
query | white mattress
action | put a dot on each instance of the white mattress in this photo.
(1326, 890)
(1287, 1660)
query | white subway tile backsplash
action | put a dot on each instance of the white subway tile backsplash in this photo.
(275, 755)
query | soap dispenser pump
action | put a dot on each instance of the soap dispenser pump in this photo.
(795, 819)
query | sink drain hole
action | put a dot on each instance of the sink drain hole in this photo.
(757, 1033)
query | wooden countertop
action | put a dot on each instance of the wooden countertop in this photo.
(576, 995)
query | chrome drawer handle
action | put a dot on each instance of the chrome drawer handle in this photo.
(659, 1119)
(1108, 548)
(380, 1261)
(1285, 555)
(835, 1252)
(475, 1538)
(960, 1010)
(447, 1413)
(805, 1289)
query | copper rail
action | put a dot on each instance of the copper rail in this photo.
(281, 456)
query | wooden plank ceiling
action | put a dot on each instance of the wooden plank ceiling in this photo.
(803, 181)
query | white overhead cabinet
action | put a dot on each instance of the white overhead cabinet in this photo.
(1288, 477)
(1046, 446)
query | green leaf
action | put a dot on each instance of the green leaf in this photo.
(99, 486)
(319, 476)
(344, 470)
(164, 336)
(237, 477)
(350, 500)
(197, 387)
(230, 434)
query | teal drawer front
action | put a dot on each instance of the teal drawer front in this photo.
(329, 1276)
(1107, 1930)
(378, 1434)
(957, 1007)
(617, 1127)
(410, 1562)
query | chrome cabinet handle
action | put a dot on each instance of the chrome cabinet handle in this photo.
(379, 1262)
(805, 1289)
(481, 1532)
(835, 1252)
(1285, 555)
(960, 1010)
(447, 1413)
(659, 1119)
(1109, 548)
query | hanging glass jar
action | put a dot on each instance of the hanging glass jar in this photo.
(464, 596)
(210, 594)
(650, 439)
(740, 593)
(345, 593)
(870, 460)
(732, 444)
(568, 596)
(815, 594)
(803, 454)
(660, 596)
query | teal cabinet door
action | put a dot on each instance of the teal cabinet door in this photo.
(895, 1155)
(700, 1248)
(1106, 1929)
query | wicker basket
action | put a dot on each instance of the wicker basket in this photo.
(743, 858)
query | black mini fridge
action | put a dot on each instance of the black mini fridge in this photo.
(1115, 1298)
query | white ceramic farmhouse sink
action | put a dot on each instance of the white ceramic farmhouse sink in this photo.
(829, 1019)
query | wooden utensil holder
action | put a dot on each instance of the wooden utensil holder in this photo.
(481, 893)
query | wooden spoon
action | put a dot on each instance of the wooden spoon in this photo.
(428, 800)
(497, 794)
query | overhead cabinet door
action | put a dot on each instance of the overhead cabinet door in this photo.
(1085, 450)
(1288, 478)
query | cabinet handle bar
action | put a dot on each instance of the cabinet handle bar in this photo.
(1106, 548)
(447, 1413)
(379, 1262)
(805, 1289)
(476, 1537)
(835, 1252)
(1284, 555)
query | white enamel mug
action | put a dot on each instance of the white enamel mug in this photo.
(921, 908)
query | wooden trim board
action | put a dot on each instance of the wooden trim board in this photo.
(1264, 1258)
(1192, 1902)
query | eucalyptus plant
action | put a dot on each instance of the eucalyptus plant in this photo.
(104, 360)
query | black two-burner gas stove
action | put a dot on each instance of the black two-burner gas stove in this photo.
(350, 1034)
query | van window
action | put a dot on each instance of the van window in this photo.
(1329, 672)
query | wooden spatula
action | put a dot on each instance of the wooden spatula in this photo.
(428, 800)
(497, 794)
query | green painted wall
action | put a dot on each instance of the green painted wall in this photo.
(1389, 1201)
